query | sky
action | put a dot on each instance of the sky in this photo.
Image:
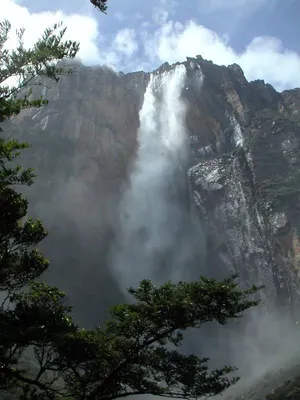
(262, 36)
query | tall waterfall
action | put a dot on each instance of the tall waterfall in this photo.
(151, 212)
(159, 235)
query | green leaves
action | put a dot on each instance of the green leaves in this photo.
(180, 306)
(186, 376)
(20, 67)
(100, 4)
(20, 262)
(28, 359)
(41, 311)
(132, 355)
(41, 59)
(33, 315)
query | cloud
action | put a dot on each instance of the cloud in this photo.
(119, 16)
(263, 58)
(162, 12)
(125, 42)
(161, 39)
(79, 27)
(159, 15)
(94, 49)
(212, 6)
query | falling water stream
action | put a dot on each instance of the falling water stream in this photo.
(152, 216)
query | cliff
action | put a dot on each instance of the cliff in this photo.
(243, 175)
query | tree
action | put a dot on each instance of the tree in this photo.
(100, 4)
(20, 261)
(136, 352)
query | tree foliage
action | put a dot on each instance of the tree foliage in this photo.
(20, 260)
(136, 352)
(43, 353)
(19, 67)
(100, 4)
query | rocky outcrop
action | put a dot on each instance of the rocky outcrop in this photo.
(243, 172)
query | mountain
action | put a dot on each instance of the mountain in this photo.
(228, 203)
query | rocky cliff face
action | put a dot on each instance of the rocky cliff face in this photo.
(245, 177)
(243, 173)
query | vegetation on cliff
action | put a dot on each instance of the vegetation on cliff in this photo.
(43, 353)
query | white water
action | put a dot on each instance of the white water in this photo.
(150, 215)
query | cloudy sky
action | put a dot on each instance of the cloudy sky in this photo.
(262, 36)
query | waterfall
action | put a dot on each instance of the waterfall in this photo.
(151, 211)
(158, 236)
